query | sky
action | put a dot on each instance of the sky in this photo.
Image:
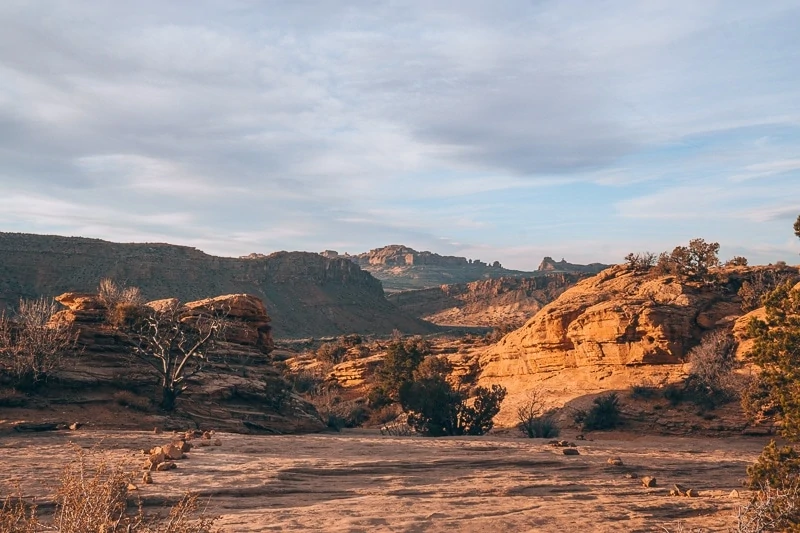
(494, 130)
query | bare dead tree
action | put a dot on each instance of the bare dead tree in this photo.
(176, 345)
(32, 345)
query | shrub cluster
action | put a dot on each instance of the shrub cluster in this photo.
(534, 421)
(32, 344)
(690, 262)
(605, 413)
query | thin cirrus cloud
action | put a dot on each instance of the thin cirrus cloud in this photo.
(550, 128)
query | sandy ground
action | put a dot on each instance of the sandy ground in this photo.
(360, 481)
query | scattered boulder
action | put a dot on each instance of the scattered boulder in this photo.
(147, 478)
(217, 442)
(570, 451)
(649, 481)
(615, 461)
(734, 494)
(172, 452)
(75, 426)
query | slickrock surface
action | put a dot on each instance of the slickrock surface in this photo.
(362, 482)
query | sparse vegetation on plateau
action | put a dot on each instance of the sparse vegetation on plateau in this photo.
(641, 262)
(736, 260)
(690, 262)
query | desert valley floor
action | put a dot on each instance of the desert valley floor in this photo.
(359, 480)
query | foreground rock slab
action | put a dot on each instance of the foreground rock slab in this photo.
(362, 481)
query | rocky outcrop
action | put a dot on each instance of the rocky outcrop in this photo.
(548, 264)
(493, 302)
(239, 391)
(307, 294)
(613, 329)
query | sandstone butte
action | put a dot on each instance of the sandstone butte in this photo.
(616, 329)
(238, 394)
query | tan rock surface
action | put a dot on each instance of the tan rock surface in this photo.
(360, 481)
(611, 331)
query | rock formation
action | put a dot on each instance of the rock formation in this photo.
(402, 268)
(550, 265)
(240, 391)
(613, 330)
(307, 294)
(493, 302)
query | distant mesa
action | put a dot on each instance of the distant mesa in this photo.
(400, 255)
(401, 268)
(548, 264)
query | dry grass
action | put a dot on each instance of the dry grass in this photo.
(95, 495)
(17, 516)
(771, 509)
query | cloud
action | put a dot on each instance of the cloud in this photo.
(296, 125)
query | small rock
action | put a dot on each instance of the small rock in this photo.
(74, 426)
(649, 481)
(147, 478)
(205, 443)
(691, 493)
(207, 435)
(580, 437)
(167, 465)
(131, 487)
(217, 442)
(157, 457)
(156, 430)
(734, 494)
(182, 445)
(172, 452)
(615, 461)
(630, 475)
(570, 451)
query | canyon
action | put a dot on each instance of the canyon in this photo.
(306, 294)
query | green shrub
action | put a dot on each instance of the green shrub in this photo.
(644, 392)
(436, 409)
(776, 350)
(540, 427)
(777, 467)
(402, 359)
(604, 414)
